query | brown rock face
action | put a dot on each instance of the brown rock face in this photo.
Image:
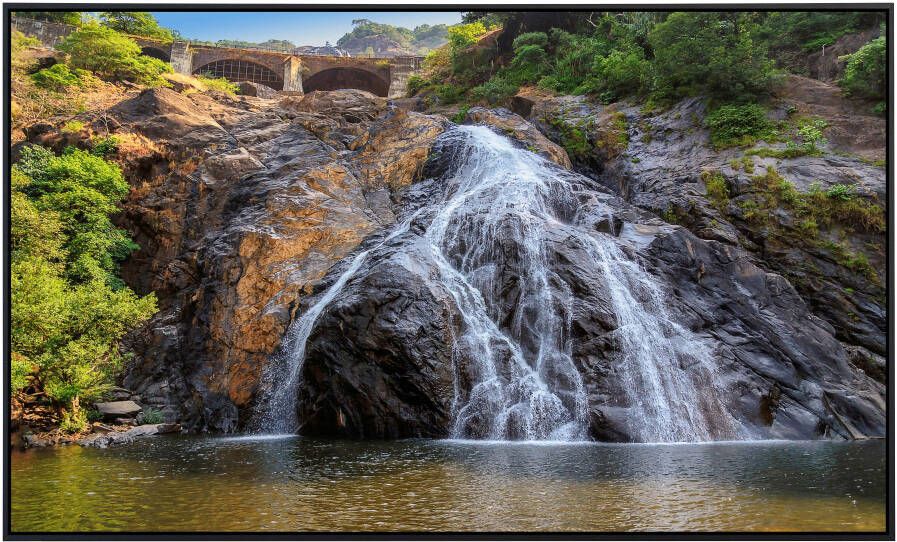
(254, 207)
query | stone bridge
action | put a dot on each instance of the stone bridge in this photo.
(294, 73)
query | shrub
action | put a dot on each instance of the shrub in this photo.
(105, 146)
(841, 192)
(717, 189)
(137, 23)
(621, 73)
(73, 421)
(416, 83)
(865, 75)
(495, 91)
(459, 117)
(449, 93)
(72, 127)
(57, 78)
(83, 190)
(736, 125)
(65, 327)
(110, 54)
(811, 135)
(218, 83)
(20, 41)
(151, 416)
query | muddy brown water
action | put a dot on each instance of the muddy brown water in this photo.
(184, 483)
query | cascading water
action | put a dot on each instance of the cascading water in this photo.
(515, 377)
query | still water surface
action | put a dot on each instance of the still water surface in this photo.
(183, 483)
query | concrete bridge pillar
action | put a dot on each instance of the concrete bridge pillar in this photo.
(400, 69)
(182, 57)
(292, 74)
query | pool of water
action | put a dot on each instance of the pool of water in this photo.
(183, 483)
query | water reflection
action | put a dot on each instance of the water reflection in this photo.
(290, 484)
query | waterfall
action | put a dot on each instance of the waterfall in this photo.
(489, 236)
(276, 412)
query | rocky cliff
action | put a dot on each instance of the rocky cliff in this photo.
(247, 209)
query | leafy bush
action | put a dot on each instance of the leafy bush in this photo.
(416, 83)
(733, 125)
(218, 83)
(110, 54)
(495, 91)
(841, 192)
(83, 190)
(105, 146)
(151, 416)
(810, 133)
(20, 41)
(73, 421)
(72, 127)
(717, 189)
(464, 35)
(865, 75)
(58, 78)
(449, 93)
(66, 323)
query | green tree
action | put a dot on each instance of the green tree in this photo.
(83, 190)
(137, 23)
(111, 54)
(64, 334)
(710, 53)
(865, 75)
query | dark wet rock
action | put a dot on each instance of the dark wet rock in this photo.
(261, 202)
(664, 165)
(377, 363)
(114, 438)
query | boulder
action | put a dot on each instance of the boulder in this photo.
(234, 244)
(248, 88)
(118, 409)
(106, 439)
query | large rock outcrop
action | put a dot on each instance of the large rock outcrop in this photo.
(663, 161)
(384, 358)
(243, 210)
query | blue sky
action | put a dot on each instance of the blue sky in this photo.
(307, 28)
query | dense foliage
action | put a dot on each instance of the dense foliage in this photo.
(137, 23)
(69, 308)
(112, 55)
(728, 57)
(866, 72)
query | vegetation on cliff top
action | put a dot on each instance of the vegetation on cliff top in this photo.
(373, 38)
(729, 57)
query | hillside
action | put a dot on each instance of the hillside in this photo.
(370, 38)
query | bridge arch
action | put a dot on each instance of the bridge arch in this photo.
(156, 52)
(340, 77)
(237, 70)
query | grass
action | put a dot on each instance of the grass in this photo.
(814, 211)
(717, 188)
(218, 83)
